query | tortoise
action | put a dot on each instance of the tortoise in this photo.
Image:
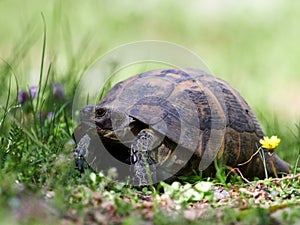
(162, 124)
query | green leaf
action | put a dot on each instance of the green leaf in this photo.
(93, 177)
(203, 186)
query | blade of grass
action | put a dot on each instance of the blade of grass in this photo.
(297, 137)
(42, 63)
(27, 132)
(298, 157)
(6, 107)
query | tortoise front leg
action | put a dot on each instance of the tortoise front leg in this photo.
(81, 151)
(143, 167)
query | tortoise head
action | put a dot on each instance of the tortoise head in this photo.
(109, 123)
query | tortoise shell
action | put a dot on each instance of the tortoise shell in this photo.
(200, 114)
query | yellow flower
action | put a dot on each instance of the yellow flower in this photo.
(270, 143)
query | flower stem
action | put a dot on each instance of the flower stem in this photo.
(272, 164)
(262, 155)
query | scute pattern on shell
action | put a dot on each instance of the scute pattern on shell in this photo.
(173, 95)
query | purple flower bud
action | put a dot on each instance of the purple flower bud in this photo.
(50, 115)
(33, 91)
(22, 96)
(58, 92)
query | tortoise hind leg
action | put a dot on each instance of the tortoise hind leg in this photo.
(143, 167)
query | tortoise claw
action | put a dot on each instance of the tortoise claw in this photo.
(79, 159)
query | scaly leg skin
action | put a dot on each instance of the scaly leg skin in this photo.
(143, 167)
(81, 151)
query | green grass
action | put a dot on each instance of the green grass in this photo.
(43, 44)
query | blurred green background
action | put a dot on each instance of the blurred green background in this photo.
(253, 45)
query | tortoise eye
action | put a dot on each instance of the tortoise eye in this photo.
(100, 112)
